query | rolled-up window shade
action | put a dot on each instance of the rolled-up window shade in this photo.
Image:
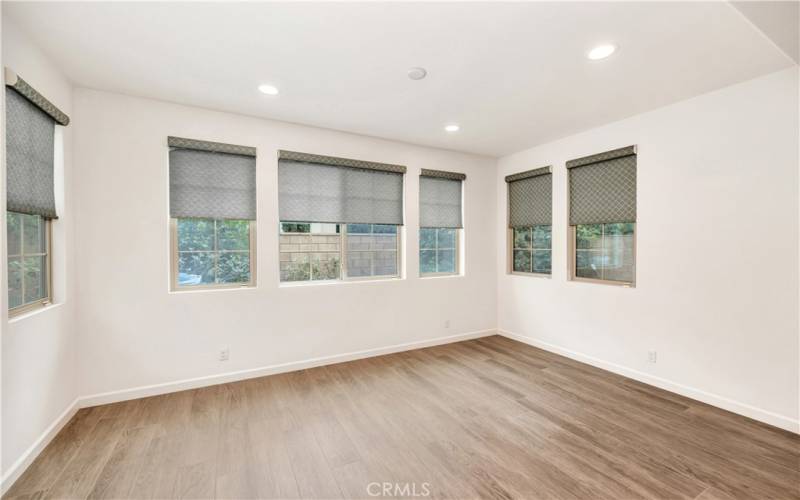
(440, 199)
(30, 150)
(205, 182)
(602, 187)
(530, 198)
(315, 188)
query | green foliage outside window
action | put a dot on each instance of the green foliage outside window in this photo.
(212, 251)
(532, 249)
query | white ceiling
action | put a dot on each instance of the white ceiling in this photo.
(513, 75)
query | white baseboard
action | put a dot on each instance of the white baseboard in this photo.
(740, 408)
(222, 378)
(27, 458)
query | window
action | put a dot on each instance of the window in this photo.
(440, 221)
(438, 250)
(532, 249)
(28, 261)
(372, 251)
(30, 193)
(213, 252)
(604, 251)
(212, 204)
(602, 205)
(530, 221)
(313, 251)
(310, 252)
(340, 218)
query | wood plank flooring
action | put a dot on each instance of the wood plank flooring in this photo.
(486, 418)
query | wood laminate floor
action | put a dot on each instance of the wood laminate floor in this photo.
(488, 418)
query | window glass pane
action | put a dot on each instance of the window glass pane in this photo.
(446, 261)
(385, 263)
(233, 235)
(14, 282)
(618, 253)
(384, 229)
(35, 278)
(33, 237)
(290, 227)
(324, 228)
(522, 237)
(295, 267)
(605, 251)
(427, 261)
(384, 241)
(359, 229)
(14, 226)
(447, 238)
(311, 256)
(359, 264)
(195, 234)
(542, 236)
(325, 266)
(588, 264)
(589, 236)
(233, 267)
(427, 237)
(541, 261)
(522, 261)
(195, 268)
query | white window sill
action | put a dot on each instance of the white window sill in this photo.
(181, 291)
(440, 276)
(34, 312)
(303, 284)
(531, 275)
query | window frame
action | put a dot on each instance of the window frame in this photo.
(510, 254)
(47, 300)
(573, 256)
(174, 253)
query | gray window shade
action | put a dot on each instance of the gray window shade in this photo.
(602, 187)
(440, 201)
(30, 149)
(314, 191)
(206, 183)
(530, 198)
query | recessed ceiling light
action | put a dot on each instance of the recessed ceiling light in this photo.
(452, 127)
(417, 73)
(268, 89)
(601, 52)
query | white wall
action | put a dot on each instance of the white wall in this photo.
(134, 332)
(38, 350)
(717, 244)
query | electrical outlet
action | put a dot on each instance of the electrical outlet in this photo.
(224, 354)
(651, 356)
(447, 323)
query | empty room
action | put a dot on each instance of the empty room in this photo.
(355, 250)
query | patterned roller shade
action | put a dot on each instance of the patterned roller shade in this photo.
(335, 161)
(440, 201)
(602, 187)
(15, 82)
(530, 198)
(343, 191)
(210, 184)
(30, 150)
